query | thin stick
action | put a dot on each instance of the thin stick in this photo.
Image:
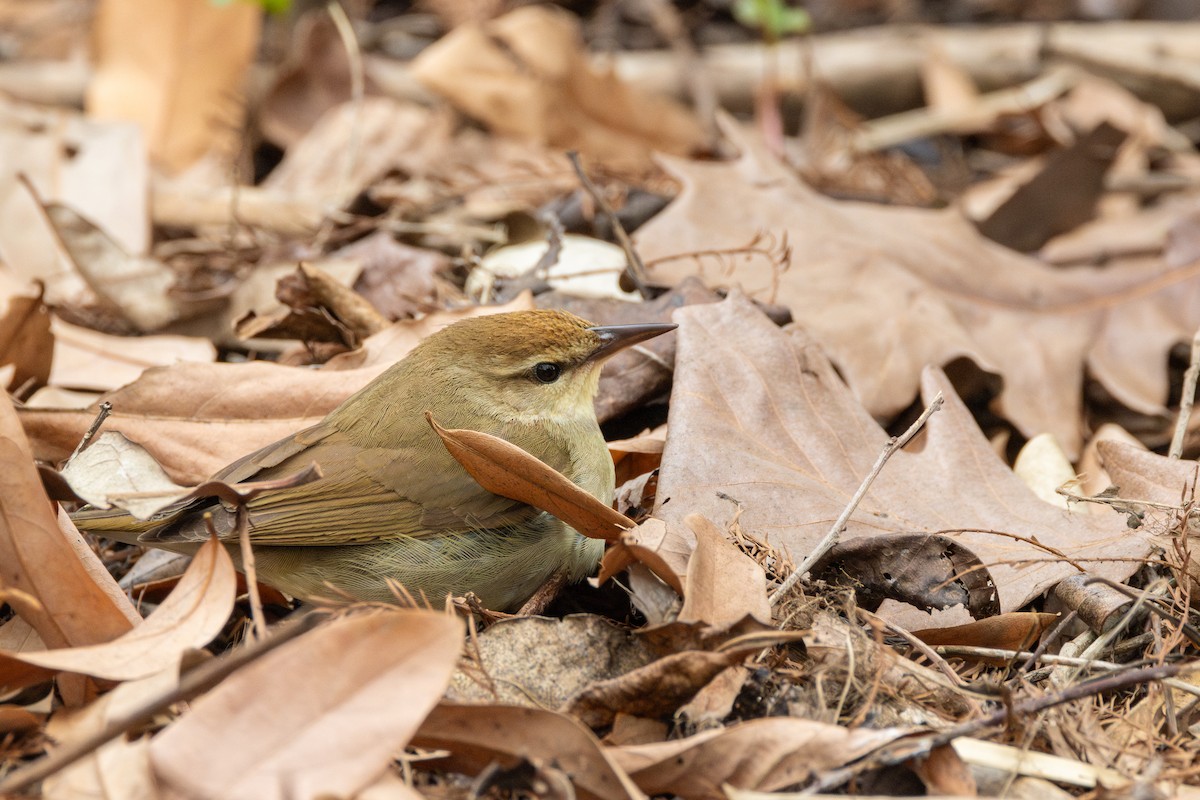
(105, 410)
(637, 268)
(251, 572)
(965, 651)
(1186, 398)
(910, 748)
(831, 538)
(917, 644)
(199, 680)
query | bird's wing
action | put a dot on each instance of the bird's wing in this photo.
(366, 495)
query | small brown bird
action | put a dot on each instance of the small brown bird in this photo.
(393, 503)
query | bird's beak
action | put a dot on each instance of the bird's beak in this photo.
(614, 338)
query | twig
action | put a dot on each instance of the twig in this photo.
(955, 650)
(105, 410)
(1186, 398)
(250, 570)
(637, 269)
(831, 538)
(199, 680)
(911, 748)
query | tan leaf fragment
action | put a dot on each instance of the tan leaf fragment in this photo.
(119, 768)
(189, 450)
(112, 465)
(656, 690)
(25, 340)
(759, 419)
(320, 716)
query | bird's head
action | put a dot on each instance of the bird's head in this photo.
(542, 364)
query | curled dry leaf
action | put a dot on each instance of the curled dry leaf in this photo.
(137, 286)
(1017, 630)
(927, 289)
(1140, 474)
(760, 421)
(649, 544)
(37, 558)
(505, 469)
(25, 340)
(191, 616)
(477, 736)
(320, 716)
(762, 754)
(112, 465)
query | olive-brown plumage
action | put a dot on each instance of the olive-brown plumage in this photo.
(393, 503)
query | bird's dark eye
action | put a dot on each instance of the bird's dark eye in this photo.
(547, 372)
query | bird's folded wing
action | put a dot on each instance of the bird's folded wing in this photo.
(366, 495)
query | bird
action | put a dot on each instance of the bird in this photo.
(392, 503)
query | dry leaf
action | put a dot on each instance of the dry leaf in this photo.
(176, 69)
(137, 286)
(505, 469)
(189, 450)
(1017, 630)
(890, 290)
(1142, 475)
(38, 559)
(314, 78)
(760, 421)
(191, 616)
(322, 715)
(656, 690)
